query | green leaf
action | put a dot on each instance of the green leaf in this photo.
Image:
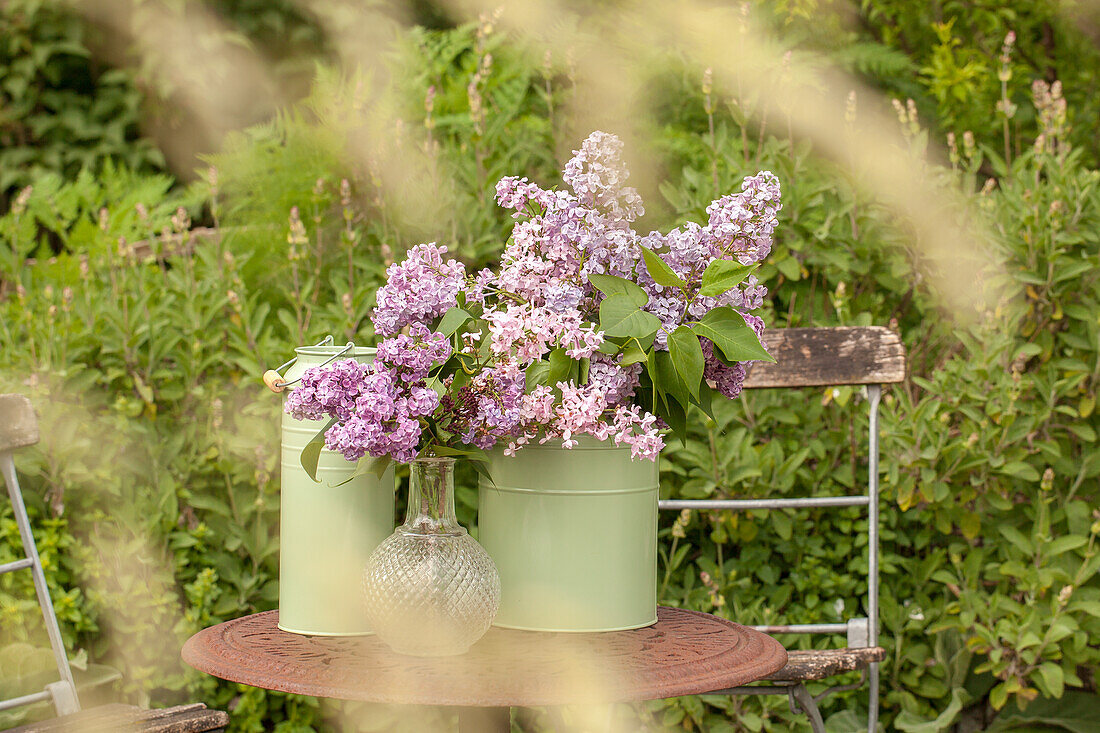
(1020, 469)
(538, 373)
(560, 366)
(665, 404)
(369, 464)
(621, 316)
(379, 466)
(726, 329)
(667, 378)
(1053, 678)
(913, 723)
(687, 358)
(659, 270)
(722, 275)
(312, 452)
(676, 417)
(633, 353)
(1075, 712)
(465, 451)
(998, 696)
(1063, 544)
(1017, 538)
(611, 285)
(482, 469)
(453, 320)
(706, 397)
(609, 347)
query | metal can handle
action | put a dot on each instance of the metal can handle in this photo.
(274, 380)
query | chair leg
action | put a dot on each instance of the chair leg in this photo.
(872, 706)
(64, 692)
(801, 695)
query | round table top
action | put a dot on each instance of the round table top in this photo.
(684, 653)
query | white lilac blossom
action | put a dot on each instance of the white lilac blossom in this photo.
(597, 172)
(537, 311)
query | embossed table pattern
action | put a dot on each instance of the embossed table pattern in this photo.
(684, 653)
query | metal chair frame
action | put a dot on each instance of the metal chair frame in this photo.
(860, 632)
(63, 692)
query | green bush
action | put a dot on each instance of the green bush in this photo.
(154, 491)
(59, 113)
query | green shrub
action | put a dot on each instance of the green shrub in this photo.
(59, 113)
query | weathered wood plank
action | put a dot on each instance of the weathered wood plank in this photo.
(194, 718)
(18, 423)
(821, 357)
(817, 664)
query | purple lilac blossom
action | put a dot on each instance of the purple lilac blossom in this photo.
(330, 391)
(377, 406)
(489, 408)
(617, 382)
(740, 228)
(728, 380)
(417, 290)
(539, 301)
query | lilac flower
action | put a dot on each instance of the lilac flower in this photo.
(539, 302)
(524, 332)
(728, 380)
(413, 355)
(377, 406)
(596, 173)
(328, 391)
(616, 382)
(488, 409)
(417, 290)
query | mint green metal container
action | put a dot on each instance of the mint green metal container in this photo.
(573, 534)
(327, 530)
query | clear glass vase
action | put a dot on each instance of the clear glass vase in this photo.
(431, 590)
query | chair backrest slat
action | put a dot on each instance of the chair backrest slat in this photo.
(826, 357)
(18, 423)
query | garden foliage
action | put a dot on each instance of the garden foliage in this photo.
(141, 338)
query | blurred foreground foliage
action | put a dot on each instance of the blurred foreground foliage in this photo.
(141, 336)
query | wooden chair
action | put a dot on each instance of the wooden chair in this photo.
(19, 429)
(823, 357)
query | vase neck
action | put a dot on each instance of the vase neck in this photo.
(432, 497)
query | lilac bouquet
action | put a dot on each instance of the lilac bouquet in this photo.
(586, 327)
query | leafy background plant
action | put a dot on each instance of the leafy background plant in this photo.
(152, 307)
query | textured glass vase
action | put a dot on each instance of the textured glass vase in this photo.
(431, 590)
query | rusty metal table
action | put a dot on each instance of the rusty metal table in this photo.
(684, 653)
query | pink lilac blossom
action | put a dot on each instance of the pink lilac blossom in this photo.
(525, 332)
(584, 410)
(418, 289)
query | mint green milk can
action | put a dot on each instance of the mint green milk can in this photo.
(573, 534)
(327, 529)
